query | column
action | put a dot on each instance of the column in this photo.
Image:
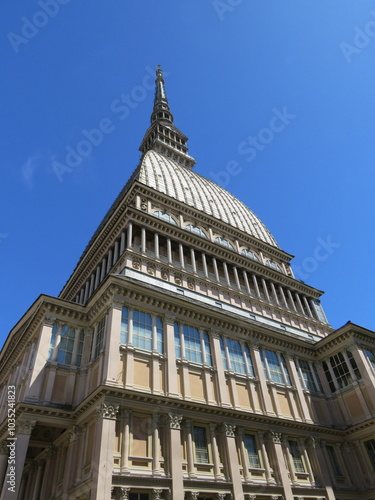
(305, 414)
(226, 274)
(181, 255)
(247, 284)
(244, 455)
(23, 429)
(112, 360)
(102, 464)
(143, 240)
(189, 448)
(299, 303)
(236, 278)
(274, 293)
(122, 242)
(172, 386)
(169, 250)
(289, 459)
(129, 352)
(368, 377)
(175, 456)
(283, 296)
(266, 463)
(264, 284)
(36, 378)
(109, 261)
(232, 461)
(125, 443)
(97, 277)
(71, 456)
(155, 445)
(204, 262)
(156, 245)
(92, 283)
(116, 251)
(130, 236)
(221, 380)
(293, 306)
(215, 451)
(275, 438)
(307, 306)
(193, 261)
(319, 464)
(38, 480)
(258, 368)
(305, 455)
(351, 464)
(216, 271)
(255, 281)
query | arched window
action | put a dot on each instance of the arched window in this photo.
(196, 230)
(273, 265)
(249, 254)
(224, 243)
(166, 217)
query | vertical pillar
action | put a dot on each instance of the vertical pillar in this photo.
(156, 244)
(281, 290)
(204, 263)
(305, 414)
(102, 465)
(36, 378)
(307, 306)
(366, 371)
(155, 445)
(232, 461)
(143, 240)
(130, 236)
(122, 242)
(351, 464)
(189, 448)
(125, 443)
(103, 269)
(259, 372)
(319, 465)
(221, 381)
(169, 251)
(293, 306)
(274, 293)
(172, 386)
(109, 261)
(302, 446)
(299, 303)
(24, 428)
(175, 456)
(264, 284)
(70, 469)
(275, 438)
(255, 281)
(181, 255)
(289, 459)
(226, 274)
(193, 261)
(97, 277)
(215, 451)
(92, 283)
(116, 251)
(266, 463)
(244, 455)
(247, 284)
(112, 369)
(129, 375)
(216, 271)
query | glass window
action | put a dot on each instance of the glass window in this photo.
(277, 368)
(333, 459)
(249, 254)
(353, 364)
(196, 230)
(328, 376)
(370, 447)
(273, 265)
(223, 354)
(341, 370)
(99, 337)
(252, 451)
(80, 348)
(142, 330)
(52, 341)
(306, 375)
(124, 326)
(197, 347)
(296, 456)
(237, 357)
(166, 217)
(371, 357)
(66, 345)
(224, 243)
(201, 449)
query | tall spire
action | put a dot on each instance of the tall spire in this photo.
(163, 136)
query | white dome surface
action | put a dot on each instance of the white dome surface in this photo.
(185, 185)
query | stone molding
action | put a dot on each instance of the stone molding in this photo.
(107, 411)
(175, 420)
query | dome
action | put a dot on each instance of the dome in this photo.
(186, 186)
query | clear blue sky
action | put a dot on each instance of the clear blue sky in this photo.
(231, 67)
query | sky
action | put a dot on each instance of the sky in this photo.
(276, 97)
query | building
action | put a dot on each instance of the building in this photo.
(183, 360)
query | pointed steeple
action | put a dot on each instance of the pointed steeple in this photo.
(163, 136)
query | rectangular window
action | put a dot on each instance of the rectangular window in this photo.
(66, 345)
(328, 376)
(52, 342)
(207, 348)
(142, 330)
(223, 354)
(177, 340)
(306, 375)
(296, 456)
(333, 459)
(353, 364)
(370, 447)
(278, 371)
(124, 326)
(193, 350)
(159, 335)
(80, 348)
(252, 452)
(341, 370)
(237, 362)
(201, 449)
(99, 337)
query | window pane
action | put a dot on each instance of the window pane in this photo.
(274, 367)
(237, 362)
(307, 375)
(296, 456)
(207, 347)
(177, 340)
(193, 351)
(223, 354)
(142, 330)
(124, 326)
(200, 441)
(333, 460)
(252, 451)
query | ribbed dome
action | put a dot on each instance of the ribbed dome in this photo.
(186, 186)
